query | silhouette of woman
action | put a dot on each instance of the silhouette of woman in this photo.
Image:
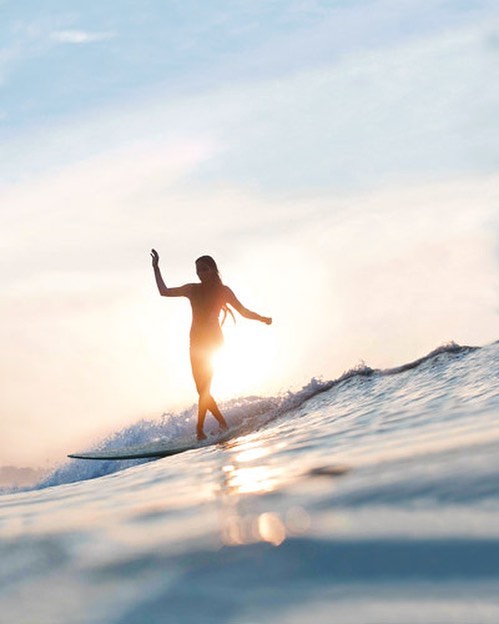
(208, 298)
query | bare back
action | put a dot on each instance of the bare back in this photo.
(206, 303)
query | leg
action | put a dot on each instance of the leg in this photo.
(202, 371)
(202, 408)
(213, 407)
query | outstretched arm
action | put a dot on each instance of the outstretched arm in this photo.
(237, 305)
(164, 291)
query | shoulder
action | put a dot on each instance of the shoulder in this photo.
(227, 292)
(231, 298)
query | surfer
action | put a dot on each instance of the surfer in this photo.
(208, 299)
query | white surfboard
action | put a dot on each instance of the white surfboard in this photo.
(157, 449)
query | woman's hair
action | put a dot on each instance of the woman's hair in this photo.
(210, 262)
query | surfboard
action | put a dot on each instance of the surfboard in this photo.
(157, 449)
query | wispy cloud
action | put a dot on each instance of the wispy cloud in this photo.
(80, 36)
(30, 41)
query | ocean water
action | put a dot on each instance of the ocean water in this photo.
(371, 499)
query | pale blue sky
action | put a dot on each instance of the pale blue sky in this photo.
(418, 77)
(340, 160)
(59, 57)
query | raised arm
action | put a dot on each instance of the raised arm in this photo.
(164, 291)
(237, 305)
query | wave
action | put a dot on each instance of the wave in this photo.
(244, 415)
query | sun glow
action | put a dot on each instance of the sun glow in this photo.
(245, 362)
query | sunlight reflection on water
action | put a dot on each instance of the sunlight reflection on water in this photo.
(242, 522)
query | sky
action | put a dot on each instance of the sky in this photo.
(340, 160)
